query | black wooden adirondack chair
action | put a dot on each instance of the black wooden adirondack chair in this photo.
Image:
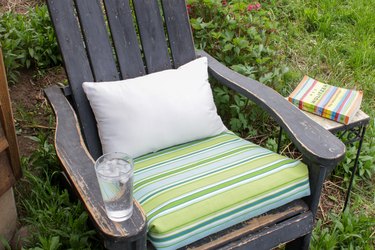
(90, 53)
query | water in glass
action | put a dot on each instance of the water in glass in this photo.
(115, 177)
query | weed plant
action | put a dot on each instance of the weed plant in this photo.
(345, 231)
(28, 40)
(245, 40)
(55, 221)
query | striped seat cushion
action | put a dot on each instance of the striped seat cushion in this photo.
(195, 189)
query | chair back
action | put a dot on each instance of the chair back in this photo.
(111, 40)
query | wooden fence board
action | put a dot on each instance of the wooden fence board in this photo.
(6, 174)
(6, 119)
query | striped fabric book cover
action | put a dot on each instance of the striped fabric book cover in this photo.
(322, 99)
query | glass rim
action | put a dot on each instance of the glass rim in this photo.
(126, 158)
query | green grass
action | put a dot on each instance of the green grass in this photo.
(334, 41)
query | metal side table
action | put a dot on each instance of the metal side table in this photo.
(354, 131)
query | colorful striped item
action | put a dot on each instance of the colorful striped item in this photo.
(330, 102)
(198, 188)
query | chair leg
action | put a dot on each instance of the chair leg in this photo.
(139, 244)
(317, 176)
(301, 243)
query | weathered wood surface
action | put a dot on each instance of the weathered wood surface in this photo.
(313, 141)
(268, 238)
(87, 50)
(7, 179)
(151, 30)
(179, 31)
(360, 118)
(3, 141)
(124, 38)
(140, 244)
(251, 227)
(7, 121)
(77, 67)
(79, 166)
(97, 41)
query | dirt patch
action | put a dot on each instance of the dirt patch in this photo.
(28, 90)
(31, 110)
(332, 199)
(18, 6)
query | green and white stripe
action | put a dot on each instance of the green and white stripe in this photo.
(195, 189)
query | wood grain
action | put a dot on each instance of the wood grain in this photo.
(3, 143)
(269, 238)
(151, 30)
(360, 118)
(97, 41)
(79, 167)
(6, 175)
(77, 67)
(7, 120)
(7, 179)
(252, 226)
(179, 31)
(125, 38)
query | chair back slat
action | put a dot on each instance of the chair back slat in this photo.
(129, 46)
(124, 38)
(97, 40)
(77, 67)
(179, 31)
(151, 30)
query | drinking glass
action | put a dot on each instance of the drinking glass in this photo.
(115, 176)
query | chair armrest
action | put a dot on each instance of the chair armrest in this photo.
(79, 167)
(317, 145)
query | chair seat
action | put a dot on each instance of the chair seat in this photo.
(198, 188)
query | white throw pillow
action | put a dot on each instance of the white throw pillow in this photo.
(148, 113)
